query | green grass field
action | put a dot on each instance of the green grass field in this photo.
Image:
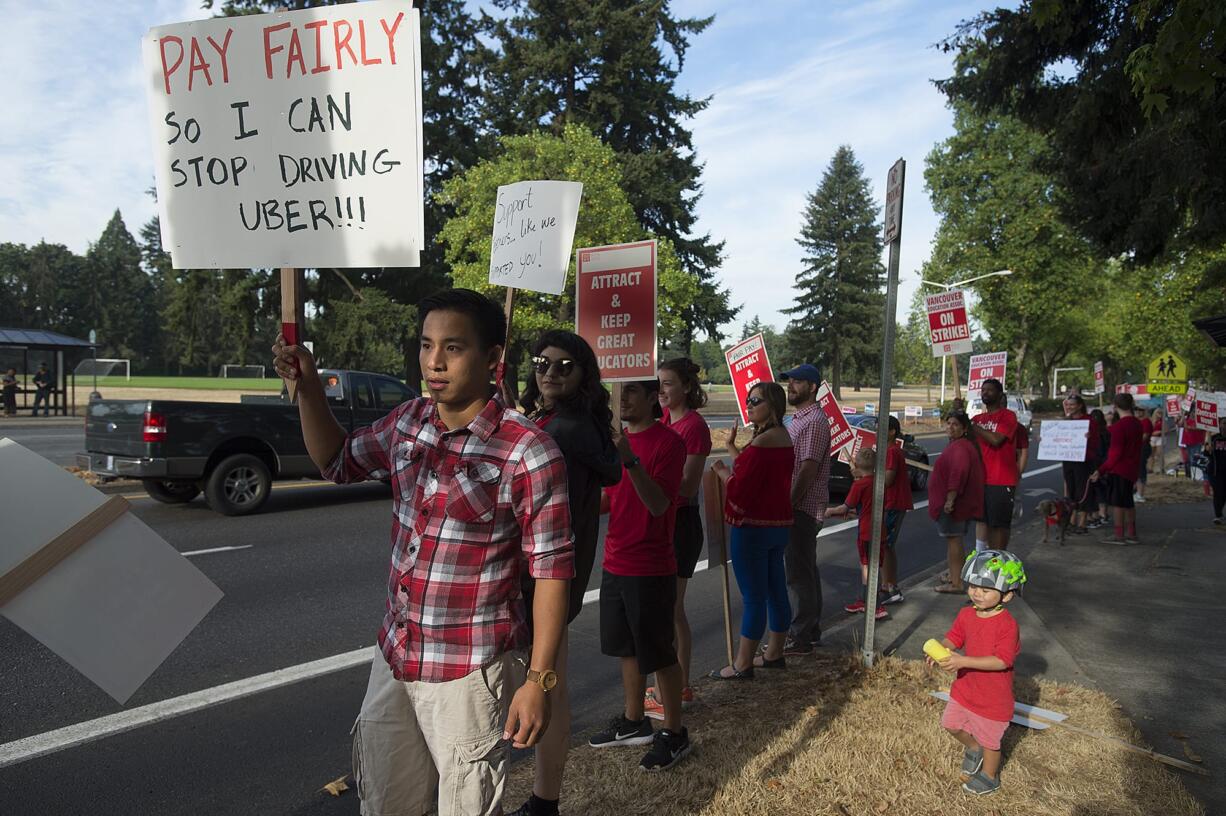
(209, 383)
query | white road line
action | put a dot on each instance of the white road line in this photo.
(70, 736)
(216, 550)
(52, 741)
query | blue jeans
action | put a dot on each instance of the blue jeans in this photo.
(757, 560)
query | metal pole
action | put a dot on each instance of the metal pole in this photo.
(883, 427)
(943, 360)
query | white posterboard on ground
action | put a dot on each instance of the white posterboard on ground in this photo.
(1063, 440)
(1021, 713)
(534, 226)
(914, 410)
(290, 139)
(116, 607)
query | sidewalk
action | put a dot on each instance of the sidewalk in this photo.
(25, 422)
(1145, 624)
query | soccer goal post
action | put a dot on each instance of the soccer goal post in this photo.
(104, 367)
(231, 371)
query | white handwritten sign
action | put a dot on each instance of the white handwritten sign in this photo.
(534, 226)
(289, 139)
(1063, 440)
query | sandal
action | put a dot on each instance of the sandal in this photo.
(737, 674)
(761, 662)
(948, 589)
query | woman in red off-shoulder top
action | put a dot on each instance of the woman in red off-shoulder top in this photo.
(759, 508)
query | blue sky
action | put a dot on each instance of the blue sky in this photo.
(791, 80)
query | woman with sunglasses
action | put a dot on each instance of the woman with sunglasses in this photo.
(759, 508)
(565, 398)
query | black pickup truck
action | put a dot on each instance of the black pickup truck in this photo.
(230, 451)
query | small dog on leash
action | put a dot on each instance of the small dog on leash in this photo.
(1056, 513)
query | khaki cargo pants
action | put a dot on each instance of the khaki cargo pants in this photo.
(420, 745)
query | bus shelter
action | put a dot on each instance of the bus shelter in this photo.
(26, 349)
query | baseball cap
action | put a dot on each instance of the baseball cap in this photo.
(805, 371)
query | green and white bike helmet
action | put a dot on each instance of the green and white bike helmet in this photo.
(994, 569)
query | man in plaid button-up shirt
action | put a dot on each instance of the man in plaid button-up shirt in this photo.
(810, 432)
(479, 494)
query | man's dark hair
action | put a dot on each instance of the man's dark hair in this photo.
(651, 386)
(895, 425)
(995, 382)
(1123, 401)
(487, 317)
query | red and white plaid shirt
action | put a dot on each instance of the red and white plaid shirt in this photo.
(468, 507)
(810, 432)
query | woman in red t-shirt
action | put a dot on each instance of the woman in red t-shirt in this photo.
(759, 508)
(955, 495)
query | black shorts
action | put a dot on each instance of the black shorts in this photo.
(687, 539)
(1119, 491)
(636, 619)
(998, 506)
(1077, 483)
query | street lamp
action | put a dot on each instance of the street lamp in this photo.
(1055, 375)
(947, 287)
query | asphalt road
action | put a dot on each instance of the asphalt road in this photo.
(308, 584)
(58, 442)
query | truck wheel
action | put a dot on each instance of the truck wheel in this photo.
(238, 485)
(171, 491)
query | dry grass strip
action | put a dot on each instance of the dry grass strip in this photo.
(829, 737)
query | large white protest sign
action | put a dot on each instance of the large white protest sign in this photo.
(534, 225)
(1063, 440)
(290, 139)
(116, 606)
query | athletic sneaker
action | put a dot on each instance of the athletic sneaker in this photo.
(1219, 520)
(667, 749)
(981, 784)
(1131, 540)
(1138, 498)
(892, 596)
(654, 708)
(881, 614)
(1113, 540)
(621, 731)
(855, 607)
(972, 761)
(794, 648)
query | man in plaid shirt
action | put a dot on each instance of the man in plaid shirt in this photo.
(810, 432)
(479, 494)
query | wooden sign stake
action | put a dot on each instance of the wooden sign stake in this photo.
(292, 317)
(717, 536)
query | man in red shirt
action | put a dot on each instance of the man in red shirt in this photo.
(995, 429)
(479, 493)
(1120, 470)
(638, 590)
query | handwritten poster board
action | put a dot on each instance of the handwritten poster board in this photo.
(290, 139)
(534, 227)
(748, 365)
(1063, 440)
(615, 308)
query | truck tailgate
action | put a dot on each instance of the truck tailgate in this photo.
(115, 427)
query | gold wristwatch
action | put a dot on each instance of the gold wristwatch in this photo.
(545, 679)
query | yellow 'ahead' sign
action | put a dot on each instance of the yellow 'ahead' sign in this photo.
(1168, 374)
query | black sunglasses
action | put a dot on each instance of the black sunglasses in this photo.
(541, 365)
(754, 401)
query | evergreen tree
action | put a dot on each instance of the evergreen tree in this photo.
(120, 295)
(836, 320)
(605, 66)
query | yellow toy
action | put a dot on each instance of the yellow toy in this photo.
(935, 650)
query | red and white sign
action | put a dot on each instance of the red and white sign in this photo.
(615, 308)
(1185, 402)
(1141, 390)
(949, 327)
(748, 365)
(840, 428)
(985, 367)
(1100, 380)
(1173, 407)
(1204, 415)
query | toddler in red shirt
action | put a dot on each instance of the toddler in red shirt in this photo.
(860, 501)
(981, 698)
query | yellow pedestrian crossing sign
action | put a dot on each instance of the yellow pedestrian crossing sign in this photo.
(1168, 374)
